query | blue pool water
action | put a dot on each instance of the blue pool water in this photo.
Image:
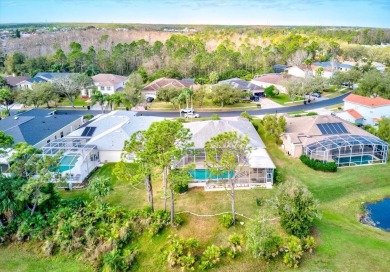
(67, 163)
(379, 213)
(359, 160)
(204, 174)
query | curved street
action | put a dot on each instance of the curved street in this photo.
(311, 106)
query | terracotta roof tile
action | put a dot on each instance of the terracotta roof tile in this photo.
(272, 78)
(108, 79)
(367, 101)
(354, 114)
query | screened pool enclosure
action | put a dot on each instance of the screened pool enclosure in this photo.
(349, 150)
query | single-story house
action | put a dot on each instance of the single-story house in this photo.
(377, 65)
(244, 85)
(331, 139)
(268, 80)
(151, 89)
(13, 82)
(107, 84)
(331, 67)
(41, 77)
(363, 110)
(301, 71)
(38, 127)
(257, 169)
(99, 141)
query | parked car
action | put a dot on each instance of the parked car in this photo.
(187, 110)
(191, 115)
(318, 95)
(149, 99)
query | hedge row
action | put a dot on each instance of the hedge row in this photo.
(319, 165)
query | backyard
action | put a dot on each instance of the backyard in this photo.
(343, 243)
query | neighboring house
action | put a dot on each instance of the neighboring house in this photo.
(267, 80)
(257, 170)
(365, 110)
(331, 139)
(377, 65)
(331, 67)
(41, 77)
(301, 71)
(100, 141)
(38, 127)
(151, 89)
(244, 85)
(279, 68)
(13, 82)
(107, 84)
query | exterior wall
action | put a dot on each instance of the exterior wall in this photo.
(110, 155)
(295, 71)
(266, 84)
(368, 112)
(113, 89)
(57, 135)
(149, 93)
(294, 150)
(25, 85)
(347, 117)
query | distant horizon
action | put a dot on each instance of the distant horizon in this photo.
(183, 24)
(327, 13)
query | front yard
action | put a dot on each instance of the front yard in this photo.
(282, 99)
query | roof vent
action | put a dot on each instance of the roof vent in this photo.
(16, 118)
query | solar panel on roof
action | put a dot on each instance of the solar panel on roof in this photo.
(88, 131)
(332, 128)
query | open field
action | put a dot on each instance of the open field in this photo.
(343, 243)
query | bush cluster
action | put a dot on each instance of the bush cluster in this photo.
(319, 165)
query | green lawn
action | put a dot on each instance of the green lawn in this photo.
(15, 259)
(207, 106)
(343, 243)
(78, 102)
(283, 98)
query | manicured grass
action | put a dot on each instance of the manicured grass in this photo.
(207, 106)
(77, 102)
(15, 259)
(283, 98)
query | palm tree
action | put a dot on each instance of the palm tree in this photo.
(109, 99)
(98, 97)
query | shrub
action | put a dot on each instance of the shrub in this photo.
(297, 209)
(311, 113)
(178, 220)
(214, 117)
(210, 257)
(180, 187)
(293, 252)
(181, 253)
(88, 116)
(236, 242)
(279, 176)
(262, 240)
(246, 115)
(308, 244)
(227, 220)
(319, 165)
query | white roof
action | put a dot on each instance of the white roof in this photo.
(114, 128)
(204, 131)
(259, 158)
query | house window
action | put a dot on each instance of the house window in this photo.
(55, 137)
(48, 141)
(102, 88)
(108, 88)
(62, 134)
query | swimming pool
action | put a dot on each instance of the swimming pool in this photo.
(205, 174)
(354, 160)
(67, 163)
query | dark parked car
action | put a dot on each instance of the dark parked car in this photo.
(149, 99)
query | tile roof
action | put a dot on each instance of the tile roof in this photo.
(304, 129)
(167, 82)
(35, 125)
(13, 81)
(108, 79)
(354, 114)
(367, 101)
(272, 78)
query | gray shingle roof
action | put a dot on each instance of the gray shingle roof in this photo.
(35, 125)
(240, 84)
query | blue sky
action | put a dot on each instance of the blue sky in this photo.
(371, 13)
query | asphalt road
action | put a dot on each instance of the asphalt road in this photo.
(307, 107)
(311, 106)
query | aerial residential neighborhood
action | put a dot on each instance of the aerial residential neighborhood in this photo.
(194, 136)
